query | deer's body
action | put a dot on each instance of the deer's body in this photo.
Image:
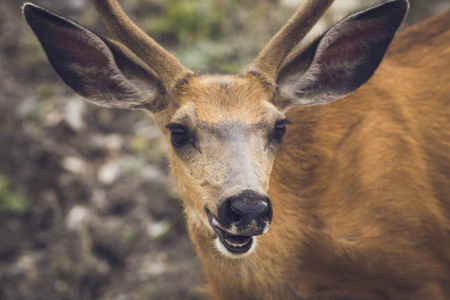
(359, 188)
(363, 188)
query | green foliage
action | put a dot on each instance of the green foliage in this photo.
(130, 238)
(202, 31)
(63, 266)
(139, 144)
(46, 92)
(11, 201)
(185, 21)
(29, 56)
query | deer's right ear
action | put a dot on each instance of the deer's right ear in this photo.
(101, 70)
(341, 60)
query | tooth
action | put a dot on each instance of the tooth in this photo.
(215, 222)
(237, 245)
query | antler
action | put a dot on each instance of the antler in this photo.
(168, 68)
(271, 57)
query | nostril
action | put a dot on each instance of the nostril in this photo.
(234, 215)
(267, 217)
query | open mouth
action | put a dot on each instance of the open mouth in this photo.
(236, 244)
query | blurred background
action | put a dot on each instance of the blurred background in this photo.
(88, 209)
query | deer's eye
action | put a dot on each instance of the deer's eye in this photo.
(280, 129)
(178, 135)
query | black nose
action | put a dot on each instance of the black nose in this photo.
(249, 212)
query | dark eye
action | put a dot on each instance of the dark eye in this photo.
(280, 129)
(178, 135)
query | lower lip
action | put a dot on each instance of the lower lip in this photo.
(236, 247)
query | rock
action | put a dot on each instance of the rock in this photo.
(74, 165)
(73, 113)
(78, 217)
(26, 265)
(109, 172)
(112, 142)
(157, 230)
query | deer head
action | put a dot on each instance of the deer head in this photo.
(223, 131)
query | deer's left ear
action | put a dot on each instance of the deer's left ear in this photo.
(103, 71)
(341, 60)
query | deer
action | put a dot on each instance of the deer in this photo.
(320, 172)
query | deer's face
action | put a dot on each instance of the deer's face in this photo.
(223, 134)
(223, 131)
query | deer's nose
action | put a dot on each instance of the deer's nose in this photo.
(249, 212)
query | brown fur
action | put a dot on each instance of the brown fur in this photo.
(369, 218)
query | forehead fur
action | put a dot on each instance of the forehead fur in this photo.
(226, 98)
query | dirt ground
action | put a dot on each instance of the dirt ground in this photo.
(88, 208)
(101, 218)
